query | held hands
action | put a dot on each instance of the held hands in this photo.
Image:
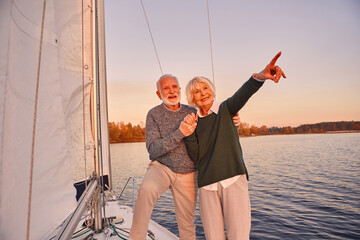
(271, 71)
(188, 125)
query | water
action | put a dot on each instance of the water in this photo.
(301, 186)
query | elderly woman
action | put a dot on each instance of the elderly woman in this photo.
(215, 148)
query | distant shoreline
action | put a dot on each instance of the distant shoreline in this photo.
(243, 136)
(328, 132)
(346, 131)
(128, 141)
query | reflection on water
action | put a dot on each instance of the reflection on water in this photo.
(301, 186)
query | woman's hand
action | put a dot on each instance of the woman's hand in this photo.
(188, 125)
(271, 71)
(191, 119)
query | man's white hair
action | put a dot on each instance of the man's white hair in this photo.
(163, 77)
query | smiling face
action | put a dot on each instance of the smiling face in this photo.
(203, 97)
(169, 92)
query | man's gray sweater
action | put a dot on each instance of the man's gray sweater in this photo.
(164, 140)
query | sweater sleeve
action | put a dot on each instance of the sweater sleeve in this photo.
(192, 146)
(155, 143)
(239, 99)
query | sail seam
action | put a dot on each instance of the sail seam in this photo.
(17, 22)
(34, 123)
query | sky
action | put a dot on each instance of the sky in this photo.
(319, 41)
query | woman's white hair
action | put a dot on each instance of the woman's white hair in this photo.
(193, 85)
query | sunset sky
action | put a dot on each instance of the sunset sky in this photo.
(319, 40)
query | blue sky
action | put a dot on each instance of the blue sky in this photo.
(319, 40)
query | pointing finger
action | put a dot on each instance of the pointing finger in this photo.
(273, 61)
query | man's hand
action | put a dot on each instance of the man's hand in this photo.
(236, 120)
(271, 71)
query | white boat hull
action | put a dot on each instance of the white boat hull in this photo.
(121, 216)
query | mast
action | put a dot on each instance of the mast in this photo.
(102, 130)
(103, 111)
(95, 189)
(96, 106)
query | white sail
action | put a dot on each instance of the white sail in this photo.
(53, 123)
(46, 75)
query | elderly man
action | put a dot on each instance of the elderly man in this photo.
(170, 167)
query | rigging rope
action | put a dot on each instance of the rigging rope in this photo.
(34, 123)
(210, 40)
(152, 39)
(91, 209)
(211, 52)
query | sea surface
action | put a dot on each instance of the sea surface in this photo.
(301, 186)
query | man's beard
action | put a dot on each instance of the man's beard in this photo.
(168, 102)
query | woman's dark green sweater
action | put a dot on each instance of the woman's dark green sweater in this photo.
(215, 146)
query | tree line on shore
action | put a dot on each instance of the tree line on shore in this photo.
(246, 130)
(120, 132)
